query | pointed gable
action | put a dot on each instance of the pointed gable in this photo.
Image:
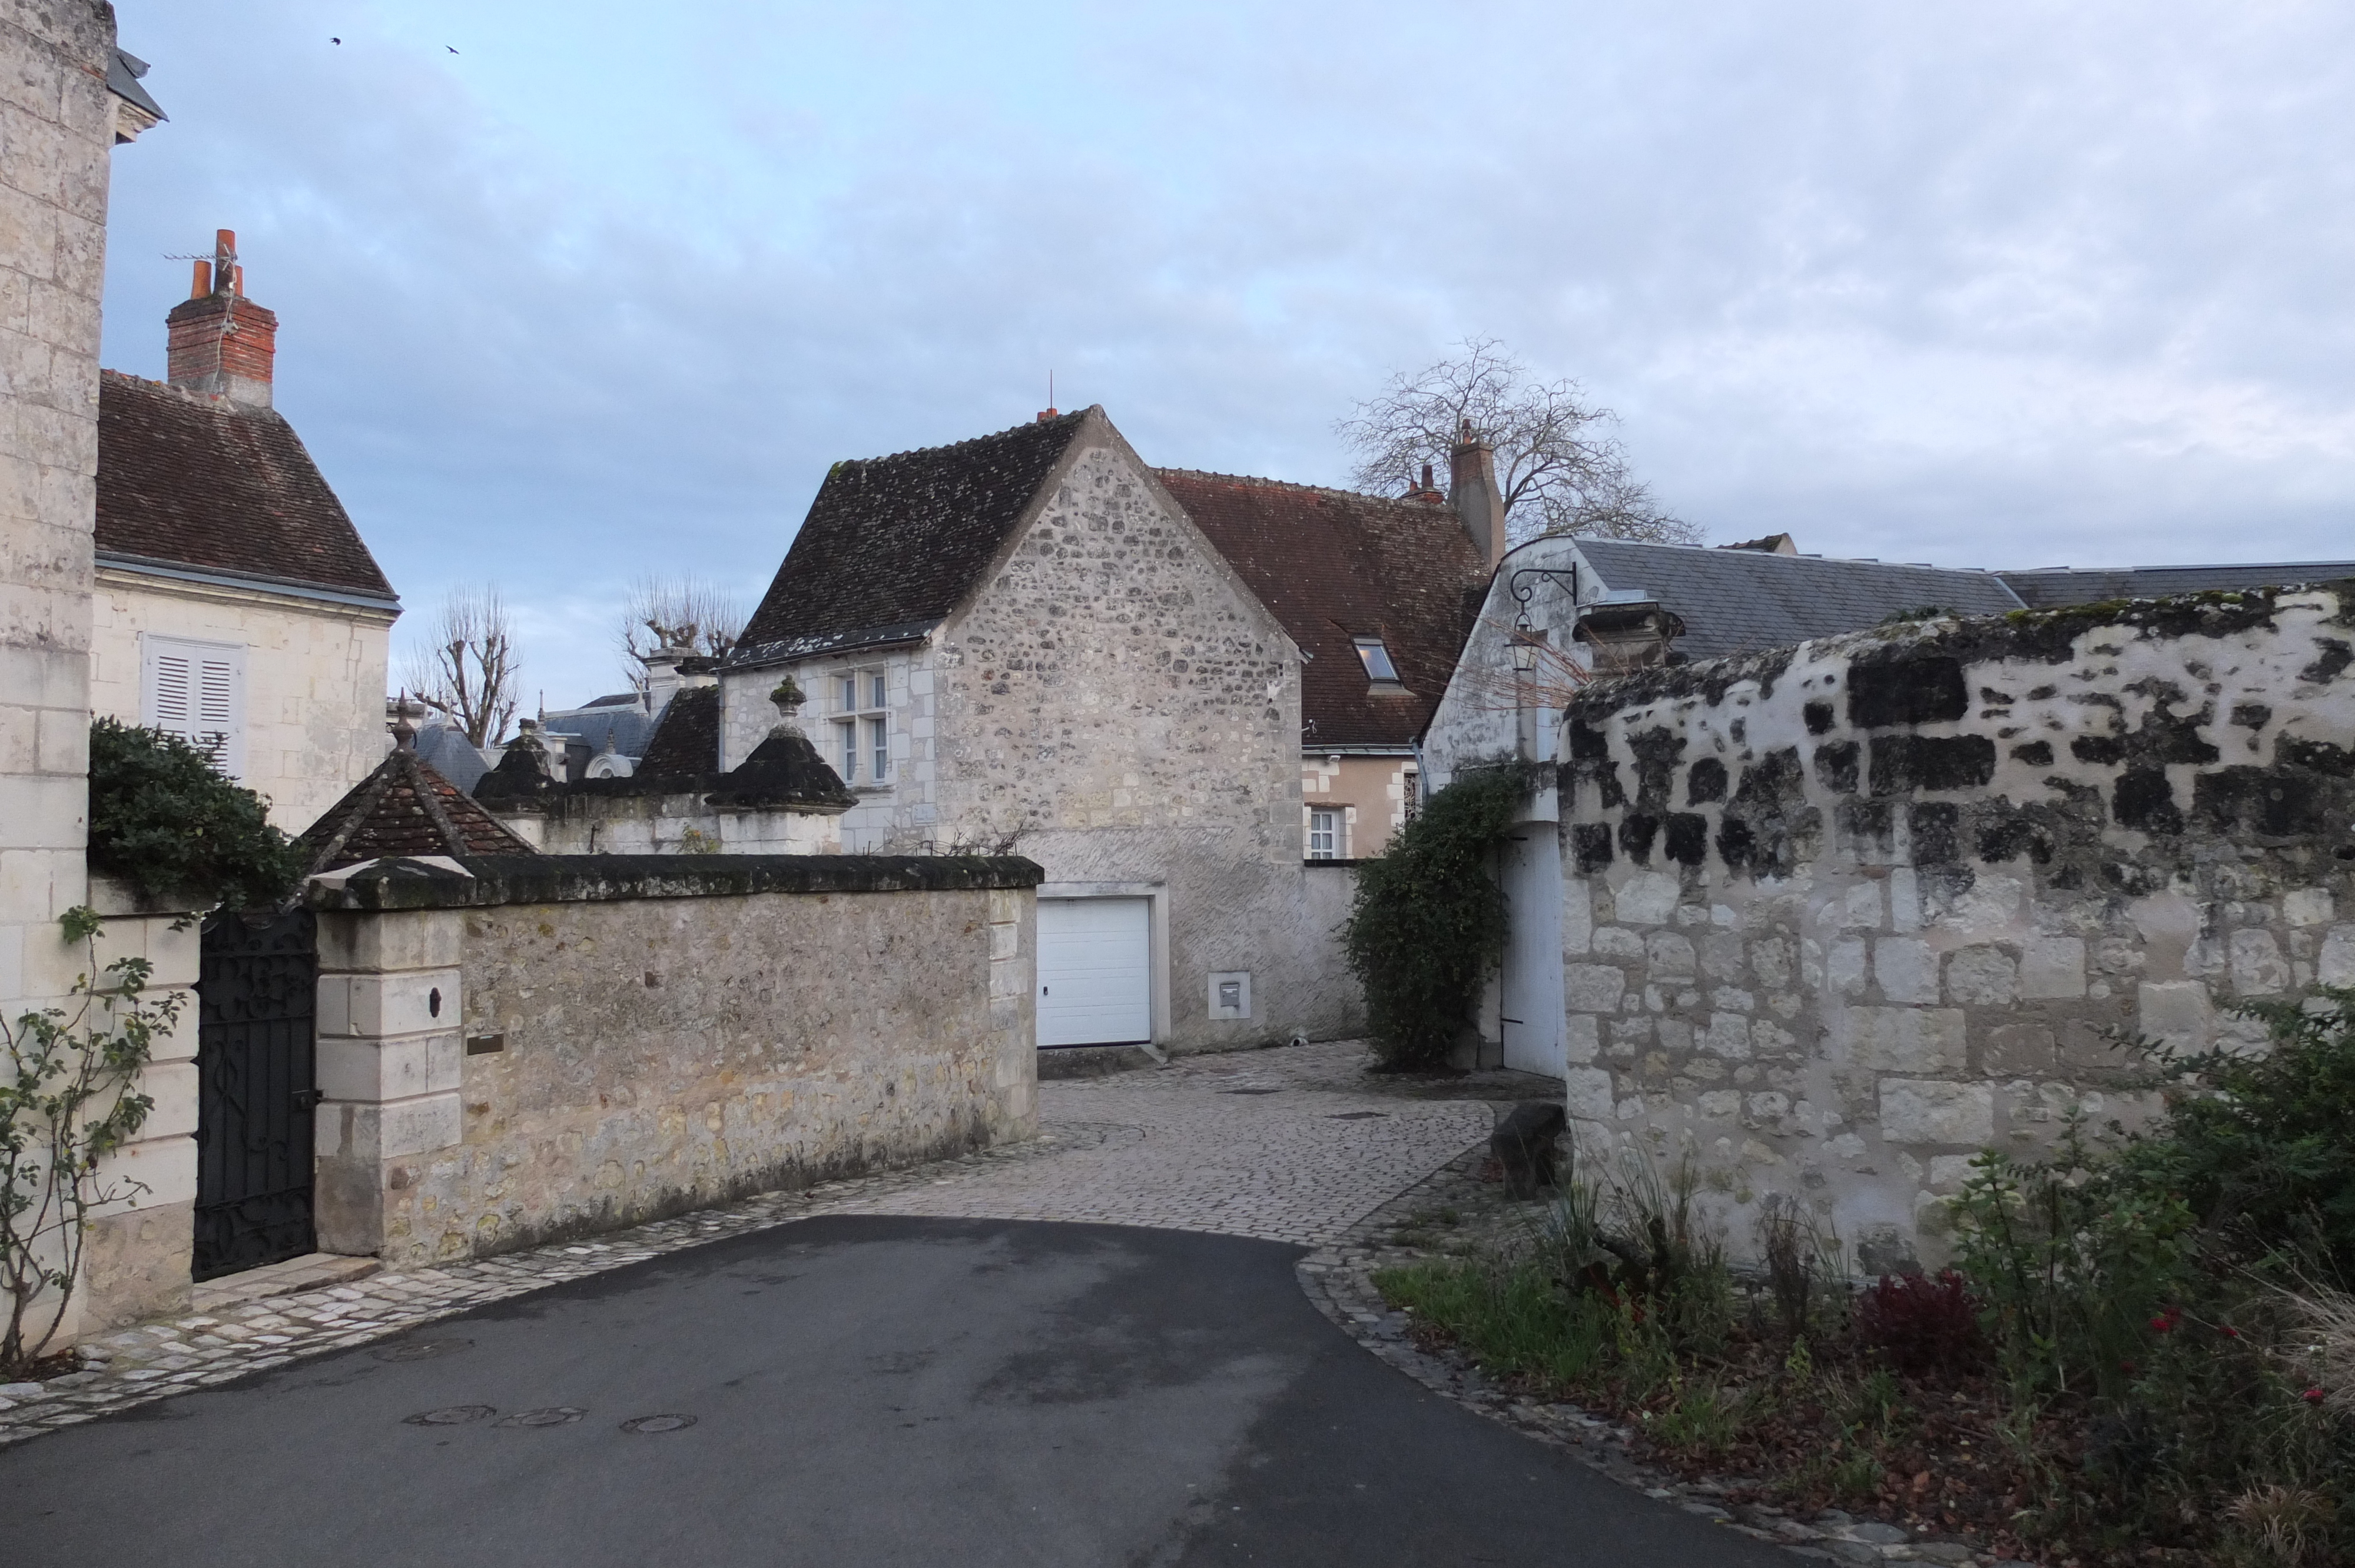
(893, 544)
(404, 808)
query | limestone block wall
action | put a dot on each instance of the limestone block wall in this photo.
(898, 814)
(539, 1049)
(57, 123)
(1840, 917)
(314, 679)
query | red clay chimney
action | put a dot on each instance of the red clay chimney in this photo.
(222, 343)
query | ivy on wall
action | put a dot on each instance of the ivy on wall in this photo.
(161, 820)
(1428, 920)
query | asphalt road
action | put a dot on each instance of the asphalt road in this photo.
(864, 1392)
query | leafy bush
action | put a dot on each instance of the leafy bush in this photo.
(1428, 919)
(164, 821)
(1919, 1323)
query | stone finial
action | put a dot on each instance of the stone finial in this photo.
(405, 715)
(788, 696)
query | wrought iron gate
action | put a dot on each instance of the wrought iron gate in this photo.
(257, 996)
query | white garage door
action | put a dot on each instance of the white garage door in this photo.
(1096, 971)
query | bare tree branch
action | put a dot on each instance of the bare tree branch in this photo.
(1562, 470)
(468, 673)
(678, 612)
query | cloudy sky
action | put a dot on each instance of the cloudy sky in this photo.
(604, 292)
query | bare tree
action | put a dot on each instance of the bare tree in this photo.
(1562, 470)
(675, 612)
(468, 671)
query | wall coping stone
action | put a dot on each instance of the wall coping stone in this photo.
(114, 899)
(479, 881)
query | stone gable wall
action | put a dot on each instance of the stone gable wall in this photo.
(1840, 917)
(1116, 704)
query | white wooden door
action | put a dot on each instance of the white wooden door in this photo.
(1096, 971)
(1532, 991)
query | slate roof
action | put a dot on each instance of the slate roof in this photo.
(893, 544)
(1332, 564)
(1733, 601)
(686, 737)
(452, 754)
(211, 485)
(2049, 586)
(404, 808)
(629, 728)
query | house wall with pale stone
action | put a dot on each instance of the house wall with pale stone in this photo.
(314, 679)
(1840, 916)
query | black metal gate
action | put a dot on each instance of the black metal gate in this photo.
(257, 999)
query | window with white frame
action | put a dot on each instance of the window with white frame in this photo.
(196, 691)
(862, 726)
(1324, 834)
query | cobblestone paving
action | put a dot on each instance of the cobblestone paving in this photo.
(1287, 1145)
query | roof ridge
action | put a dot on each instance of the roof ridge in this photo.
(212, 401)
(1291, 484)
(1071, 417)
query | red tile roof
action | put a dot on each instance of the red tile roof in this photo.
(205, 484)
(1332, 565)
(404, 808)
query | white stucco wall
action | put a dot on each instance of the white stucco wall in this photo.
(314, 679)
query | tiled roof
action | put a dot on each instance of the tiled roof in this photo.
(202, 483)
(1733, 601)
(1332, 565)
(2051, 587)
(686, 736)
(893, 544)
(404, 808)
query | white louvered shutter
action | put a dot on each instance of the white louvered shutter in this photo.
(196, 690)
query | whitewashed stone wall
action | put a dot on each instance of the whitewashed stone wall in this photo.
(667, 824)
(315, 679)
(572, 1049)
(1840, 916)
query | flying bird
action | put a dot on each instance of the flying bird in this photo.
(334, 40)
(447, 46)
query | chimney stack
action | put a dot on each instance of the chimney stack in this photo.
(1472, 490)
(222, 343)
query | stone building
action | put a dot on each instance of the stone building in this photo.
(1379, 593)
(1025, 641)
(235, 603)
(68, 96)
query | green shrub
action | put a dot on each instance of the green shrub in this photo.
(161, 820)
(1428, 919)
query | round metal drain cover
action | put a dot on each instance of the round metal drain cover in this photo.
(450, 1416)
(419, 1350)
(658, 1422)
(555, 1416)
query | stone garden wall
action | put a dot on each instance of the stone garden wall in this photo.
(1841, 916)
(523, 1049)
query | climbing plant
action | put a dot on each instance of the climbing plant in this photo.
(1428, 919)
(69, 1098)
(161, 820)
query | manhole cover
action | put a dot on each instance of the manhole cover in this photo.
(1358, 1116)
(450, 1416)
(419, 1350)
(1250, 1091)
(555, 1416)
(658, 1422)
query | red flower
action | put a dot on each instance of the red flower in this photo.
(2227, 1333)
(2313, 1396)
(2126, 1366)
(2166, 1322)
